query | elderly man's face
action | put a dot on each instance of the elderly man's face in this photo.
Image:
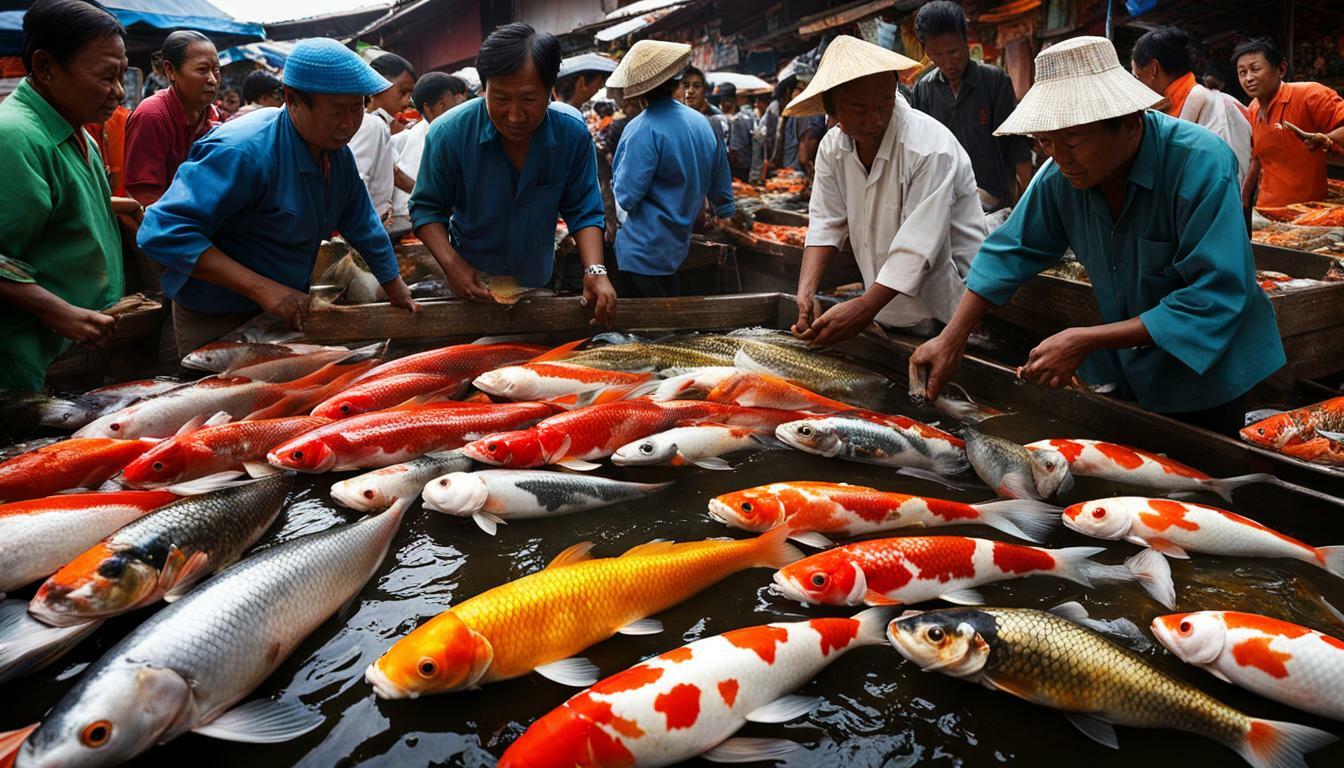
(1089, 154)
(330, 121)
(863, 107)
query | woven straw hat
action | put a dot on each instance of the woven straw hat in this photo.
(1078, 81)
(648, 64)
(846, 58)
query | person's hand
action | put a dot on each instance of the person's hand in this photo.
(289, 305)
(89, 329)
(462, 281)
(809, 309)
(935, 362)
(129, 209)
(400, 295)
(599, 294)
(1054, 361)
(1317, 142)
(842, 322)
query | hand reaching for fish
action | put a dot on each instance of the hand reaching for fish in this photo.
(1053, 362)
(399, 295)
(462, 281)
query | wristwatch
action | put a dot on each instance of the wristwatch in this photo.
(594, 269)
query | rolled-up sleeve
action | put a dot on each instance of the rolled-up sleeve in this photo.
(581, 201)
(827, 218)
(436, 184)
(28, 205)
(1196, 323)
(1031, 240)
(361, 227)
(217, 182)
(923, 234)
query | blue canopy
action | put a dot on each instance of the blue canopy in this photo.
(155, 14)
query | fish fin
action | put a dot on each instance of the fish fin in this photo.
(109, 485)
(1334, 612)
(575, 554)
(1153, 573)
(1224, 486)
(560, 352)
(12, 619)
(743, 749)
(875, 598)
(966, 411)
(549, 457)
(181, 571)
(33, 645)
(964, 597)
(202, 421)
(873, 624)
(932, 477)
(578, 465)
(1218, 673)
(440, 395)
(1332, 559)
(366, 352)
(777, 552)
(651, 547)
(257, 469)
(1120, 629)
(1273, 744)
(264, 721)
(1075, 564)
(574, 671)
(1337, 437)
(642, 627)
(1094, 728)
(487, 522)
(1015, 486)
(784, 709)
(743, 361)
(714, 463)
(206, 484)
(812, 539)
(1167, 548)
(12, 741)
(1024, 518)
(1070, 611)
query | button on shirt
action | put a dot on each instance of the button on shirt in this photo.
(913, 220)
(372, 148)
(668, 161)
(1289, 172)
(1177, 258)
(158, 140)
(253, 189)
(983, 101)
(502, 221)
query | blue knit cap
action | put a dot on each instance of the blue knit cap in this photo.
(322, 65)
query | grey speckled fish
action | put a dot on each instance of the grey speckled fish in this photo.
(1013, 471)
(495, 496)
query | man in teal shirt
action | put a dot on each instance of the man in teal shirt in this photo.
(1149, 205)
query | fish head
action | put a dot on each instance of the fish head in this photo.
(584, 731)
(1101, 519)
(64, 414)
(440, 656)
(754, 509)
(344, 405)
(1273, 432)
(1051, 472)
(519, 448)
(110, 717)
(164, 463)
(369, 492)
(651, 450)
(815, 436)
(1195, 638)
(828, 578)
(100, 582)
(955, 641)
(456, 493)
(114, 425)
(512, 382)
(305, 453)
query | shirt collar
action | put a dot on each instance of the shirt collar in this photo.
(967, 77)
(1144, 170)
(297, 145)
(382, 114)
(888, 146)
(55, 126)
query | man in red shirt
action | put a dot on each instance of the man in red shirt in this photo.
(1288, 169)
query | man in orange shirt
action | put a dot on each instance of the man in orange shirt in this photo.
(1287, 169)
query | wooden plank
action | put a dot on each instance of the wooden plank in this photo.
(780, 216)
(844, 16)
(1291, 262)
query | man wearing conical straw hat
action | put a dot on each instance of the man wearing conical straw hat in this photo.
(1150, 206)
(669, 160)
(896, 183)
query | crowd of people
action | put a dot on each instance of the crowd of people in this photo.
(1143, 172)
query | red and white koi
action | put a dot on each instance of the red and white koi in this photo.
(690, 700)
(691, 383)
(462, 362)
(1177, 528)
(1135, 466)
(389, 392)
(700, 445)
(79, 462)
(227, 448)
(1285, 662)
(561, 383)
(914, 569)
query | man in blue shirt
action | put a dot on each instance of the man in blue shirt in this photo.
(240, 226)
(1149, 204)
(668, 161)
(498, 171)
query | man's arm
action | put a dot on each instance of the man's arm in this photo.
(828, 227)
(402, 180)
(431, 208)
(360, 225)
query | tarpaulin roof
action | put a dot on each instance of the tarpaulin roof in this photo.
(155, 14)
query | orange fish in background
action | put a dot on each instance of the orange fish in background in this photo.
(1312, 433)
(539, 622)
(80, 462)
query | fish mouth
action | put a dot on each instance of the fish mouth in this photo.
(723, 513)
(785, 587)
(383, 687)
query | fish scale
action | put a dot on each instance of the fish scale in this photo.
(889, 443)
(77, 462)
(209, 450)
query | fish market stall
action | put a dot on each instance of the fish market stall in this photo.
(134, 347)
(334, 687)
(770, 252)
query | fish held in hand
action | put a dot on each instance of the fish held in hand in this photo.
(895, 442)
(218, 450)
(493, 497)
(1015, 472)
(381, 488)
(1051, 661)
(65, 465)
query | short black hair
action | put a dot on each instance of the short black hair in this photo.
(432, 86)
(1259, 45)
(259, 84)
(664, 89)
(696, 71)
(939, 18)
(505, 50)
(174, 49)
(1169, 45)
(391, 66)
(63, 27)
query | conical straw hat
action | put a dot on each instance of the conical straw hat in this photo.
(648, 64)
(846, 58)
(1078, 81)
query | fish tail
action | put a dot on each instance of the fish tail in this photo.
(1224, 486)
(1153, 573)
(11, 742)
(774, 550)
(873, 624)
(1332, 559)
(1024, 518)
(1274, 744)
(1075, 564)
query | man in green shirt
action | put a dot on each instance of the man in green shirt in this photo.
(60, 248)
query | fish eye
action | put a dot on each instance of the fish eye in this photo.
(492, 447)
(805, 431)
(1099, 512)
(646, 448)
(818, 579)
(158, 466)
(114, 426)
(427, 667)
(368, 494)
(345, 407)
(1184, 628)
(1049, 465)
(112, 567)
(298, 455)
(443, 482)
(1260, 431)
(935, 634)
(96, 734)
(746, 506)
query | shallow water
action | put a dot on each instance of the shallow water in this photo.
(876, 708)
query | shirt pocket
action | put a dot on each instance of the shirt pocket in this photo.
(1157, 272)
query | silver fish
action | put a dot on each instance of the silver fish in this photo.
(27, 645)
(1013, 471)
(380, 489)
(872, 443)
(493, 497)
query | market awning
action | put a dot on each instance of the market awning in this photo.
(147, 21)
(272, 54)
(630, 18)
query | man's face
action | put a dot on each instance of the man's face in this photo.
(331, 121)
(1087, 154)
(863, 107)
(516, 103)
(398, 97)
(88, 88)
(1257, 76)
(588, 85)
(695, 92)
(1149, 74)
(949, 52)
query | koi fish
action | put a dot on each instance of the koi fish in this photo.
(386, 392)
(494, 497)
(1285, 662)
(1310, 433)
(1015, 472)
(913, 569)
(381, 488)
(690, 700)
(221, 356)
(1048, 660)
(561, 383)
(66, 465)
(462, 362)
(1176, 528)
(895, 442)
(223, 450)
(840, 509)
(691, 383)
(537, 623)
(765, 390)
(700, 445)
(292, 367)
(79, 411)
(1134, 466)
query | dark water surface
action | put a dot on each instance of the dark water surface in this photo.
(877, 710)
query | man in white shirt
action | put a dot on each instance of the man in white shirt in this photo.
(434, 94)
(896, 183)
(372, 144)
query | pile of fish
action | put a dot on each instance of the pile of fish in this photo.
(1314, 433)
(160, 496)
